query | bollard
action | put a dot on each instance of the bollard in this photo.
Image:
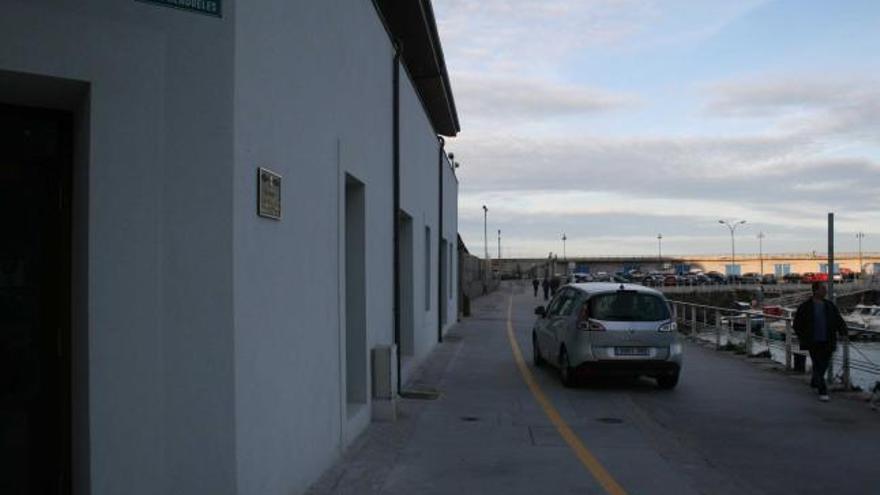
(717, 329)
(694, 320)
(748, 335)
(788, 345)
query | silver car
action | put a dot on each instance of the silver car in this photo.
(596, 329)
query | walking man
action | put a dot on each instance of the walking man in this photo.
(546, 286)
(817, 323)
(535, 285)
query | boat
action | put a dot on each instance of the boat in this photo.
(864, 320)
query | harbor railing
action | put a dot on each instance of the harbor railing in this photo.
(756, 334)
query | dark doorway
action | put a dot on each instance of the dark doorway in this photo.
(35, 169)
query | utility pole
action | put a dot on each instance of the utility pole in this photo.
(846, 377)
(499, 244)
(860, 236)
(761, 250)
(732, 226)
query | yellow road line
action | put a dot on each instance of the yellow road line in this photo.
(611, 486)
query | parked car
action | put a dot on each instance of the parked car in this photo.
(670, 281)
(768, 279)
(810, 277)
(716, 277)
(750, 278)
(608, 329)
(792, 278)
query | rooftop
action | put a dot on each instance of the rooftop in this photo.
(412, 26)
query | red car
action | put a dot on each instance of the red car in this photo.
(810, 277)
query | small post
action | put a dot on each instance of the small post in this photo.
(788, 345)
(748, 319)
(694, 320)
(717, 329)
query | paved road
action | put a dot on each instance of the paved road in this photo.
(729, 427)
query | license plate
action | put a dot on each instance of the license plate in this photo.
(630, 351)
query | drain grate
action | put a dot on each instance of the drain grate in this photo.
(420, 394)
(610, 421)
(469, 419)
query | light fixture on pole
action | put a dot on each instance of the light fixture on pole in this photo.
(761, 250)
(732, 227)
(860, 236)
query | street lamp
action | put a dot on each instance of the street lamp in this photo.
(499, 244)
(485, 241)
(564, 257)
(732, 227)
(485, 253)
(660, 250)
(860, 236)
(761, 250)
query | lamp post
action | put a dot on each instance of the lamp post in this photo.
(860, 236)
(732, 227)
(499, 244)
(761, 250)
(660, 251)
(485, 253)
(485, 239)
(564, 257)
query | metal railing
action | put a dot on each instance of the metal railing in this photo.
(756, 334)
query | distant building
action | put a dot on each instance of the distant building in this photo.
(198, 255)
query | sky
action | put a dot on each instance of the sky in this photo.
(613, 121)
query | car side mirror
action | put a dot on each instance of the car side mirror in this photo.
(540, 311)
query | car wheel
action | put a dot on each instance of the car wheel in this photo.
(667, 382)
(566, 374)
(537, 359)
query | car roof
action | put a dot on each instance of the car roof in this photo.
(600, 287)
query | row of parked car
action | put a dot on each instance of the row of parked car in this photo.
(659, 279)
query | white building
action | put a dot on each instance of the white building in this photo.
(158, 335)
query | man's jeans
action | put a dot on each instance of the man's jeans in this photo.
(820, 356)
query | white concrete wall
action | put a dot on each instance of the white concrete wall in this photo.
(313, 103)
(215, 338)
(158, 327)
(450, 232)
(419, 161)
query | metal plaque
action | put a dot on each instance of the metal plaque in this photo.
(268, 194)
(207, 7)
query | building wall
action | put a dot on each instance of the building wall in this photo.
(213, 339)
(153, 408)
(314, 103)
(450, 233)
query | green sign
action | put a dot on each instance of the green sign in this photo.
(208, 7)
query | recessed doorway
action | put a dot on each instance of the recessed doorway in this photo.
(36, 149)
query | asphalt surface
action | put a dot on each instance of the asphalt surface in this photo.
(730, 427)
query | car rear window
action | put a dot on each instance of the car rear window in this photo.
(628, 306)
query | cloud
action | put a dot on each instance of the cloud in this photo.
(489, 97)
(822, 106)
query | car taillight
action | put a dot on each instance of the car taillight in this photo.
(668, 327)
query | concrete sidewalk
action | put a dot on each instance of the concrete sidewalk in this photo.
(728, 428)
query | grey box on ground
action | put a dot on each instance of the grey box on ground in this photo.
(384, 367)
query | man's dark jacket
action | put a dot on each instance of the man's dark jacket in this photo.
(803, 323)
